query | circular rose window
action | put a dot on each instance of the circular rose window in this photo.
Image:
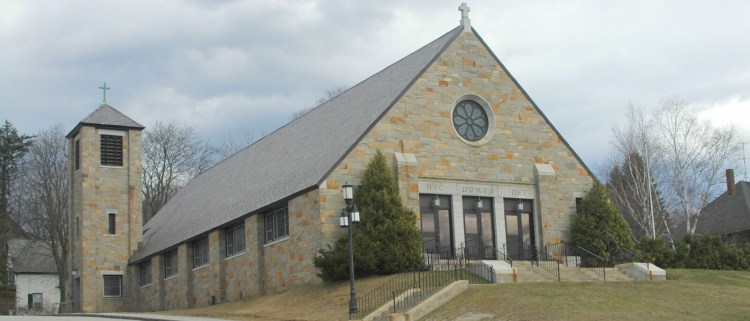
(470, 120)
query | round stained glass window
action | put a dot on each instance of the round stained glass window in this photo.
(470, 120)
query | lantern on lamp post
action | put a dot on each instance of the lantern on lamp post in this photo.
(349, 217)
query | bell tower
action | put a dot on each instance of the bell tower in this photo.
(104, 208)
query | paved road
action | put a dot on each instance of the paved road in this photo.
(105, 317)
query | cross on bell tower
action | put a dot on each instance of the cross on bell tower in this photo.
(465, 21)
(104, 89)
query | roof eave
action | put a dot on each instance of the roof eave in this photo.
(401, 94)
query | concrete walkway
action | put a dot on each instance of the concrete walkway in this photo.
(143, 317)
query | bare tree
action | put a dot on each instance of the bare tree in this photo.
(695, 157)
(233, 142)
(631, 184)
(329, 94)
(668, 162)
(172, 155)
(42, 195)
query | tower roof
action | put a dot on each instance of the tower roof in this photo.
(106, 116)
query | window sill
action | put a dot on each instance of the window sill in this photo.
(236, 255)
(111, 166)
(200, 267)
(171, 277)
(113, 297)
(285, 238)
(145, 285)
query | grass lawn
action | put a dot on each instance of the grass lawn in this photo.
(686, 295)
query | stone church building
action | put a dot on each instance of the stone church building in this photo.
(473, 155)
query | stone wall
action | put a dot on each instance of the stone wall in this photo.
(289, 262)
(97, 191)
(262, 268)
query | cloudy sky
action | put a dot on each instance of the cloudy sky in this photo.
(245, 66)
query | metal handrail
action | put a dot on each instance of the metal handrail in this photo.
(601, 270)
(538, 256)
(550, 267)
(409, 288)
(487, 250)
(634, 256)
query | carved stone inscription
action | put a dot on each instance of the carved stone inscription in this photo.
(495, 190)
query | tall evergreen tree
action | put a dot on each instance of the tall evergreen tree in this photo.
(632, 188)
(388, 239)
(12, 148)
(598, 227)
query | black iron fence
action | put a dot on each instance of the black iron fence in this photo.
(437, 250)
(539, 257)
(476, 249)
(520, 251)
(579, 257)
(406, 290)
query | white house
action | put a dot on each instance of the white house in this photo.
(35, 273)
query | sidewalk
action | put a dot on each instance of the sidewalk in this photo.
(144, 317)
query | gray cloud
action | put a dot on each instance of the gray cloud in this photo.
(245, 65)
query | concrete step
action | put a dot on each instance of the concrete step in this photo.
(527, 273)
(574, 274)
(615, 275)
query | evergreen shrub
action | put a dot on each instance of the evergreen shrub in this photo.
(386, 241)
(598, 227)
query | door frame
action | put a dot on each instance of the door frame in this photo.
(510, 206)
(469, 204)
(427, 206)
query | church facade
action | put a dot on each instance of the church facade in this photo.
(473, 155)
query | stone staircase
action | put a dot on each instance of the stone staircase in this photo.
(526, 272)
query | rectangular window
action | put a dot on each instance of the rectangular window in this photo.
(145, 269)
(235, 239)
(277, 225)
(112, 223)
(113, 286)
(78, 154)
(111, 150)
(170, 264)
(35, 301)
(200, 253)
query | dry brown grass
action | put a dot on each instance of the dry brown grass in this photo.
(310, 302)
(686, 295)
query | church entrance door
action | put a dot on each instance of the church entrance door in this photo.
(437, 237)
(519, 230)
(478, 228)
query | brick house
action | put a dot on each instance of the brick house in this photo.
(473, 155)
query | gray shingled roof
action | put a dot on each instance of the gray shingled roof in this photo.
(294, 158)
(727, 213)
(107, 116)
(30, 256)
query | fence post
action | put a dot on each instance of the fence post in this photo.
(393, 293)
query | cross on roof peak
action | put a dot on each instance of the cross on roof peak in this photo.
(104, 89)
(465, 22)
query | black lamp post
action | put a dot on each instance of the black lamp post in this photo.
(350, 214)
